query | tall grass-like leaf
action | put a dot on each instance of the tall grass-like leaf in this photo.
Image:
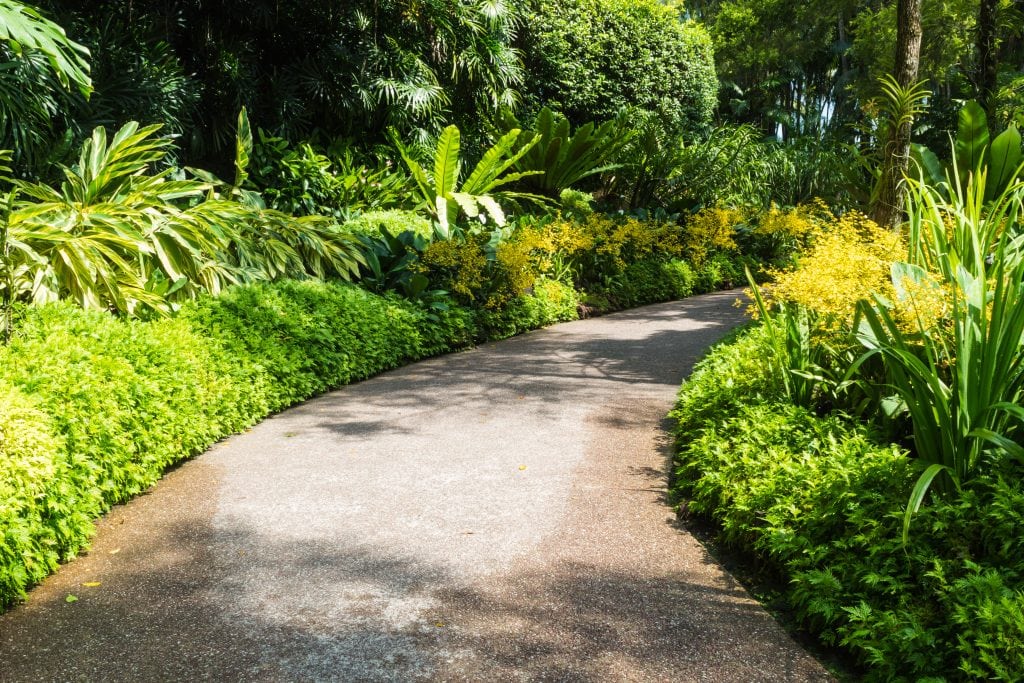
(962, 387)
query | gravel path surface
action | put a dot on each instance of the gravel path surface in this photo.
(493, 515)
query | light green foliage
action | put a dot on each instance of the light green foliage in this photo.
(590, 59)
(820, 503)
(26, 471)
(565, 159)
(373, 223)
(94, 408)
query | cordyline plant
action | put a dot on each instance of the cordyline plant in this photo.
(962, 383)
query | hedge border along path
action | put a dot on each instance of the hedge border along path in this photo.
(489, 515)
(96, 408)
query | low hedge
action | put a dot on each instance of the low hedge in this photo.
(818, 502)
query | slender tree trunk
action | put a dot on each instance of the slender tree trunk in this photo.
(988, 64)
(889, 205)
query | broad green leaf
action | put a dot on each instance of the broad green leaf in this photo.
(1004, 163)
(446, 161)
(972, 138)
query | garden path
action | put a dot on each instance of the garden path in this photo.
(497, 514)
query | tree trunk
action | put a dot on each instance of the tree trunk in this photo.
(889, 205)
(988, 64)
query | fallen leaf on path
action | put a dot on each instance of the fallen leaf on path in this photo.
(92, 584)
(522, 467)
(71, 598)
(115, 551)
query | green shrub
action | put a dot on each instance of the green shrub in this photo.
(549, 302)
(653, 280)
(26, 472)
(394, 221)
(819, 501)
(590, 59)
(94, 408)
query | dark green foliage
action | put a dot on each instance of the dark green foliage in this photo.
(304, 181)
(820, 503)
(95, 408)
(351, 68)
(389, 259)
(653, 280)
(589, 59)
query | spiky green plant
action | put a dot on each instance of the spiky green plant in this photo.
(962, 382)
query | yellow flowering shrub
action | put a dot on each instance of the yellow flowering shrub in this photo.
(848, 261)
(551, 245)
(711, 230)
(457, 266)
(799, 225)
(514, 272)
(597, 245)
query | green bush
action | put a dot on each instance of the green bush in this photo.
(549, 302)
(590, 59)
(27, 439)
(652, 280)
(95, 408)
(819, 502)
(394, 221)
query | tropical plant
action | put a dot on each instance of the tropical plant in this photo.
(388, 262)
(112, 235)
(117, 235)
(563, 159)
(960, 376)
(975, 149)
(729, 165)
(304, 180)
(25, 30)
(443, 195)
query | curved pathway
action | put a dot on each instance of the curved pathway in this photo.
(491, 515)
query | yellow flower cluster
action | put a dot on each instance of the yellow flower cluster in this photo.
(628, 240)
(800, 224)
(711, 230)
(850, 260)
(517, 272)
(458, 266)
(551, 243)
(922, 306)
